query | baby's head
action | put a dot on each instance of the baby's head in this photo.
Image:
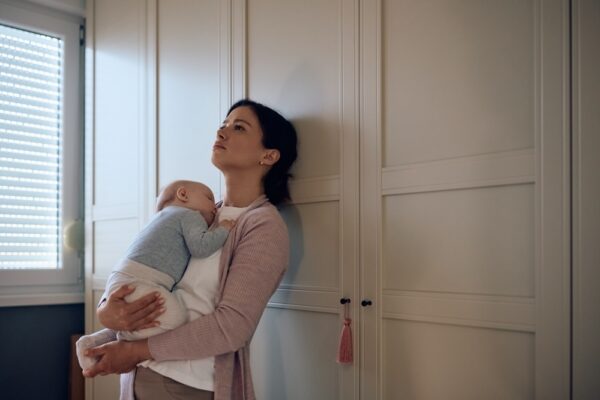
(193, 195)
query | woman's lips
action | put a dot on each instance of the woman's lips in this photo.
(218, 146)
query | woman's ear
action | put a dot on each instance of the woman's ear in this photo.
(270, 157)
(182, 193)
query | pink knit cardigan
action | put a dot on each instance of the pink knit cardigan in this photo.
(253, 261)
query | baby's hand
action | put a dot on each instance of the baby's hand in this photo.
(227, 224)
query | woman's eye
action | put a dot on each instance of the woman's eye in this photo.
(239, 128)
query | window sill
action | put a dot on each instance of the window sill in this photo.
(44, 299)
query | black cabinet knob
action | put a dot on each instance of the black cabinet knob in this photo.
(344, 300)
(366, 303)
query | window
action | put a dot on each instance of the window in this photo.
(40, 156)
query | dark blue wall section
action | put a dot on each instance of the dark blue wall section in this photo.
(34, 350)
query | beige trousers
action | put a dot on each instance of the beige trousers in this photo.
(150, 385)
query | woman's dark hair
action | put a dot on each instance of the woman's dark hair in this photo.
(279, 134)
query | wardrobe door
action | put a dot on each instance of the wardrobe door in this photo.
(114, 136)
(154, 84)
(465, 200)
(301, 59)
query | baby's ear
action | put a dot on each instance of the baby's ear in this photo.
(181, 193)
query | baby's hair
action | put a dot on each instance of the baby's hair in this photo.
(167, 193)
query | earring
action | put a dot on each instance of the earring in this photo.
(261, 163)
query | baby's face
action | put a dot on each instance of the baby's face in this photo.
(202, 199)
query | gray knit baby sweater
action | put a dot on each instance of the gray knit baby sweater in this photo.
(172, 236)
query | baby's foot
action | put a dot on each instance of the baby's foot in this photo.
(86, 342)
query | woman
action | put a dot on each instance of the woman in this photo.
(254, 149)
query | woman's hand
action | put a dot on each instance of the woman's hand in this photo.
(117, 357)
(117, 314)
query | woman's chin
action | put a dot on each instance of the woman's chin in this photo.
(215, 160)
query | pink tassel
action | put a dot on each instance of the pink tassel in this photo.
(344, 355)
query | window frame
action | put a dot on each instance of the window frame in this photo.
(22, 287)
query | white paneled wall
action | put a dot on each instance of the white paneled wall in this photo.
(431, 126)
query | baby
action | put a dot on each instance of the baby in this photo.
(159, 254)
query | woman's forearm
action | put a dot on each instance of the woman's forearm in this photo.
(141, 350)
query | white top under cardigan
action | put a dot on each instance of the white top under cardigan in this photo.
(197, 290)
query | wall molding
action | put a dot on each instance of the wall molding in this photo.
(552, 365)
(370, 245)
(307, 299)
(499, 312)
(114, 211)
(295, 307)
(586, 197)
(308, 288)
(314, 190)
(505, 168)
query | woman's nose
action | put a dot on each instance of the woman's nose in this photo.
(220, 133)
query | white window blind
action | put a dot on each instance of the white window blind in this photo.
(31, 73)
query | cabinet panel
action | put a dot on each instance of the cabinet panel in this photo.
(284, 335)
(117, 103)
(294, 63)
(314, 244)
(456, 81)
(478, 241)
(431, 361)
(188, 90)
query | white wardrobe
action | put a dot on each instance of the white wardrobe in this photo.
(432, 180)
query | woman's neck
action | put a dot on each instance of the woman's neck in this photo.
(241, 191)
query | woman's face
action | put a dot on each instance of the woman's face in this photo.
(239, 141)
